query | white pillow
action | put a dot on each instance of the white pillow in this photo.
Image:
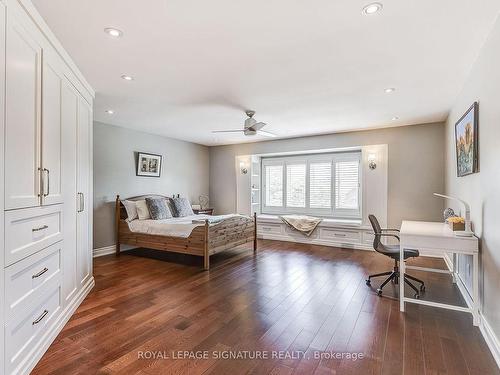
(142, 210)
(131, 209)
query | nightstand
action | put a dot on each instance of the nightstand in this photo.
(206, 211)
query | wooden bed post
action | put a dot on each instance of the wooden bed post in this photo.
(206, 255)
(117, 224)
(254, 232)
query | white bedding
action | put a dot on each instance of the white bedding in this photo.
(175, 227)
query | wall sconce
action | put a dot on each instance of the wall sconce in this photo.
(372, 161)
(243, 168)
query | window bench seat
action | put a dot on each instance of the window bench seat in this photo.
(330, 232)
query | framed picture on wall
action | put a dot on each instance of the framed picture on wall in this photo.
(467, 142)
(148, 165)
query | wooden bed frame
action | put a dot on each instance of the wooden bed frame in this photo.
(204, 240)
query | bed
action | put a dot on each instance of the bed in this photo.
(198, 235)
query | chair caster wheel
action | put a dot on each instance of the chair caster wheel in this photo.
(417, 296)
(368, 282)
(422, 288)
(379, 292)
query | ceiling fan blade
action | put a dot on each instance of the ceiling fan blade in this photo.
(265, 134)
(227, 131)
(258, 125)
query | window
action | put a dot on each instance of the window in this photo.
(320, 184)
(296, 185)
(274, 186)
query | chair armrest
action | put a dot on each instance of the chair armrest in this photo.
(388, 235)
(390, 230)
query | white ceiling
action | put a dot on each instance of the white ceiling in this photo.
(306, 67)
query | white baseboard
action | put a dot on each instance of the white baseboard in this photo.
(56, 328)
(107, 250)
(488, 334)
(491, 339)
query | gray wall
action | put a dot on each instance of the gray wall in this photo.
(185, 171)
(416, 167)
(482, 190)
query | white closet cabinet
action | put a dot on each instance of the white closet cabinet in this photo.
(84, 145)
(23, 80)
(51, 129)
(45, 187)
(69, 117)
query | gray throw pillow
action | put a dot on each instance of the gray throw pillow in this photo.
(158, 208)
(183, 207)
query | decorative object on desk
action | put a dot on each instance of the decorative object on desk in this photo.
(467, 232)
(196, 207)
(456, 223)
(448, 212)
(304, 224)
(204, 200)
(466, 141)
(148, 165)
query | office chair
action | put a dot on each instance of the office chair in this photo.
(392, 251)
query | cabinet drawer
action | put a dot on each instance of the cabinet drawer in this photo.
(31, 277)
(269, 229)
(25, 331)
(30, 230)
(295, 233)
(340, 235)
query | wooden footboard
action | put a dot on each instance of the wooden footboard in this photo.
(204, 240)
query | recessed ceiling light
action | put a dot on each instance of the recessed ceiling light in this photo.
(389, 90)
(110, 111)
(115, 33)
(127, 78)
(372, 8)
(395, 118)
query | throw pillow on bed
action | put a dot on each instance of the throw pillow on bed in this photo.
(158, 208)
(183, 207)
(142, 210)
(131, 209)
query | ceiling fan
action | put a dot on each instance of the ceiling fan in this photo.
(252, 127)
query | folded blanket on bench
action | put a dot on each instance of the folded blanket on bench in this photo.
(304, 224)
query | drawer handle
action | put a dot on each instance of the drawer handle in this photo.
(39, 273)
(40, 318)
(339, 234)
(40, 228)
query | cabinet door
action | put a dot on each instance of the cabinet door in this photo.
(22, 117)
(69, 118)
(51, 130)
(84, 250)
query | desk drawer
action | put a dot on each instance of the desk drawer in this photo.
(31, 277)
(30, 230)
(340, 235)
(268, 229)
(25, 331)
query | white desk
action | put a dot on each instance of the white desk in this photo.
(438, 238)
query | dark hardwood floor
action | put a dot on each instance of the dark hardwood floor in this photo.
(307, 301)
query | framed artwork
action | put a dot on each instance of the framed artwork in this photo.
(467, 142)
(148, 165)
